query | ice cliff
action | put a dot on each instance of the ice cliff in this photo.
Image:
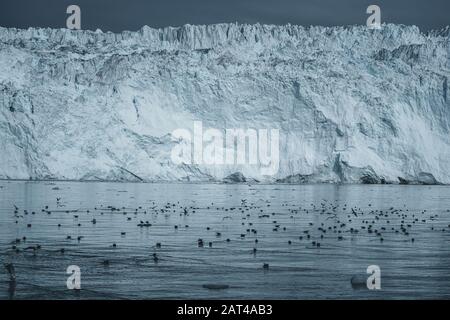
(353, 105)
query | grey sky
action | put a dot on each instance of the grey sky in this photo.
(118, 15)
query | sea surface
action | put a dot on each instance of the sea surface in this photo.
(313, 239)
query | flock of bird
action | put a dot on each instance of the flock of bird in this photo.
(316, 225)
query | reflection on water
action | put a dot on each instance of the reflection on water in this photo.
(314, 238)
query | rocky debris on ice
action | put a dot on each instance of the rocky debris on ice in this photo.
(236, 177)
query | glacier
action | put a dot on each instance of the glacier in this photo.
(352, 104)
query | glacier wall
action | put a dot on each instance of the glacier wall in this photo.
(353, 105)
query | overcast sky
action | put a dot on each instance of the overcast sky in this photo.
(118, 15)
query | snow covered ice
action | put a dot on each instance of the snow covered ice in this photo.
(352, 105)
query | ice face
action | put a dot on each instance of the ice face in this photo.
(351, 104)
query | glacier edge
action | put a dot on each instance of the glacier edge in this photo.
(353, 105)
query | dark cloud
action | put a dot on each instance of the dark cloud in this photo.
(118, 15)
